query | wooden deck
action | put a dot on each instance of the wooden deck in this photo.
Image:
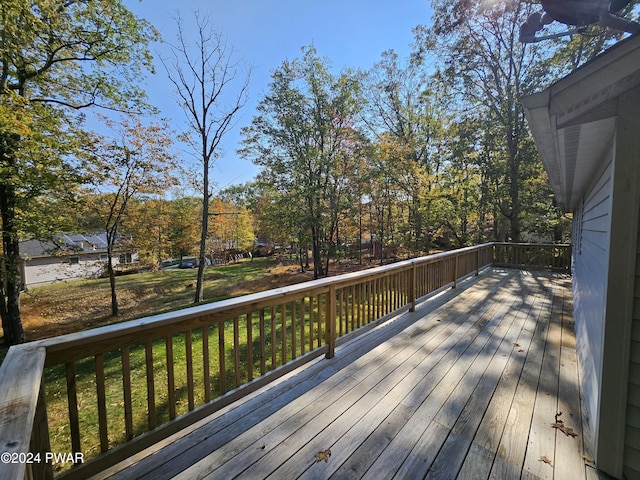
(469, 386)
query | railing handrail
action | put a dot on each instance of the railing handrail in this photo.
(145, 324)
(35, 356)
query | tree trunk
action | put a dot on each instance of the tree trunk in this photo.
(514, 193)
(199, 297)
(317, 254)
(10, 281)
(112, 282)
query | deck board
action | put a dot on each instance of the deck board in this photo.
(465, 387)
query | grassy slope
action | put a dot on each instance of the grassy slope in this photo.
(78, 305)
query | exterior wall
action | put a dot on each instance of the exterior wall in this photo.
(632, 427)
(592, 224)
(42, 271)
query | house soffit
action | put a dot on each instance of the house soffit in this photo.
(573, 121)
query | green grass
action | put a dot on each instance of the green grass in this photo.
(55, 379)
(145, 294)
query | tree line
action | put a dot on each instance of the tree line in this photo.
(409, 153)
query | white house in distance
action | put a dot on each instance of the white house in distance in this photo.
(587, 130)
(67, 257)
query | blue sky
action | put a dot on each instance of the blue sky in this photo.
(351, 33)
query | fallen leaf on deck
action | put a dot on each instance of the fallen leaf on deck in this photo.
(558, 415)
(545, 459)
(516, 344)
(324, 455)
(587, 458)
(564, 429)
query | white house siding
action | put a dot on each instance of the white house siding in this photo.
(43, 271)
(632, 427)
(592, 224)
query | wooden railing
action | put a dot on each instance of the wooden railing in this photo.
(533, 256)
(121, 388)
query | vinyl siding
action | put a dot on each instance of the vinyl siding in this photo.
(591, 263)
(632, 427)
(42, 271)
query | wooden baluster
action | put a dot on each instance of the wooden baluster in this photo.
(352, 301)
(302, 326)
(206, 372)
(283, 337)
(311, 323)
(126, 392)
(188, 342)
(384, 295)
(72, 397)
(397, 290)
(171, 377)
(294, 331)
(273, 338)
(151, 391)
(249, 347)
(236, 351)
(388, 294)
(102, 403)
(39, 442)
(263, 360)
(330, 317)
(455, 271)
(319, 320)
(376, 299)
(340, 317)
(221, 358)
(358, 293)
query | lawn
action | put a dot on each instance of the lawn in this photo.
(73, 306)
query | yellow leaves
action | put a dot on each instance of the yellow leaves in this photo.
(323, 455)
(14, 118)
(546, 460)
(559, 425)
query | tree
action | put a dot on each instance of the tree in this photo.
(55, 59)
(490, 70)
(136, 161)
(305, 140)
(203, 76)
(402, 106)
(231, 228)
(183, 232)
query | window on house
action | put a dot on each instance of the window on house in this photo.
(125, 258)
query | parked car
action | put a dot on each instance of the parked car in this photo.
(187, 265)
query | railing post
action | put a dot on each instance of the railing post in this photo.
(20, 396)
(40, 439)
(330, 324)
(455, 273)
(412, 288)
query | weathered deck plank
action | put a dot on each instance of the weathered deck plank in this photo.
(480, 456)
(445, 392)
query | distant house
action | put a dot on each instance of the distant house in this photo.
(587, 129)
(68, 257)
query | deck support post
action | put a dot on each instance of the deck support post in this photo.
(455, 272)
(40, 439)
(412, 288)
(330, 325)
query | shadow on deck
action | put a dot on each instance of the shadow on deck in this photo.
(479, 382)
